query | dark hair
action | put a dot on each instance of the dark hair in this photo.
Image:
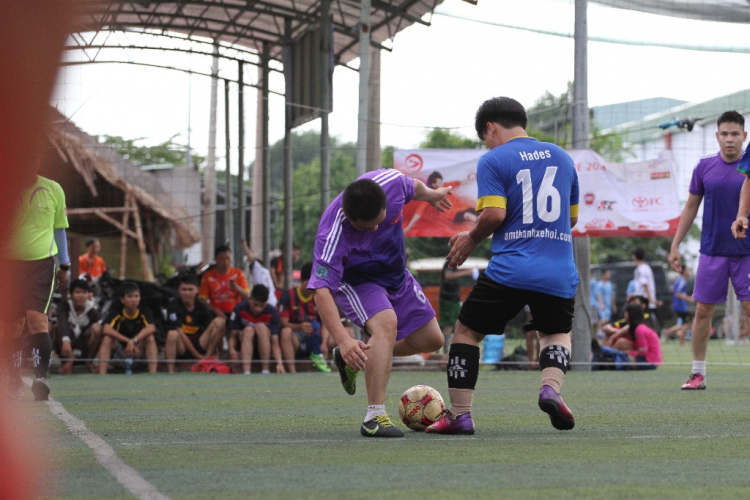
(91, 242)
(128, 287)
(731, 117)
(635, 318)
(259, 293)
(504, 111)
(363, 200)
(306, 271)
(222, 249)
(433, 177)
(189, 279)
(640, 300)
(82, 284)
(639, 253)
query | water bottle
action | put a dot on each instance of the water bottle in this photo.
(128, 366)
(493, 348)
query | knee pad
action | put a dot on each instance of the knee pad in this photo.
(554, 356)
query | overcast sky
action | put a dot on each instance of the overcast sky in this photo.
(435, 77)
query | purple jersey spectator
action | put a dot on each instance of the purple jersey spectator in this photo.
(719, 183)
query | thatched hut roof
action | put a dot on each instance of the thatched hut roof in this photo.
(95, 176)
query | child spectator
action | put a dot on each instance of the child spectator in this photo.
(90, 263)
(251, 319)
(224, 286)
(277, 268)
(300, 325)
(605, 298)
(647, 352)
(130, 329)
(78, 331)
(193, 332)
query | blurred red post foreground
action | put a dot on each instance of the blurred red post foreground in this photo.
(32, 33)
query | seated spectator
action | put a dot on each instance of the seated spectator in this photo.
(78, 331)
(301, 333)
(90, 263)
(647, 352)
(261, 275)
(276, 266)
(251, 319)
(224, 286)
(619, 326)
(194, 332)
(128, 329)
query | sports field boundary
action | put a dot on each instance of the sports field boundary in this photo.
(127, 476)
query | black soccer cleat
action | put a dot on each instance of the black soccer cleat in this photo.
(380, 426)
(348, 376)
(40, 388)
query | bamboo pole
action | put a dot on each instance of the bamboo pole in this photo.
(147, 274)
(124, 237)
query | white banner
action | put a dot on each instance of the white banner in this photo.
(626, 199)
(616, 199)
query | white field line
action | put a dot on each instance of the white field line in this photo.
(127, 476)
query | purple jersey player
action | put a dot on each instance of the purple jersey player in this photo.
(716, 180)
(360, 264)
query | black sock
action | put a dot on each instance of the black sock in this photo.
(463, 366)
(41, 352)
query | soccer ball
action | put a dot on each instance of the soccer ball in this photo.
(420, 407)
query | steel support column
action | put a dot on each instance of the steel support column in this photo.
(581, 246)
(364, 82)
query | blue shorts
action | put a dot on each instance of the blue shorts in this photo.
(361, 302)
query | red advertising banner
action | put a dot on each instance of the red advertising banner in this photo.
(616, 199)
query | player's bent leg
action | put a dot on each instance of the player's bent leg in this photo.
(264, 346)
(382, 329)
(246, 348)
(426, 339)
(463, 372)
(287, 343)
(554, 360)
(152, 353)
(210, 339)
(105, 352)
(170, 349)
(95, 341)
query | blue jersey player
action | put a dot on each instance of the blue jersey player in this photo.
(528, 203)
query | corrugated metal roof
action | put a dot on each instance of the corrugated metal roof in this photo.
(727, 11)
(250, 23)
(647, 128)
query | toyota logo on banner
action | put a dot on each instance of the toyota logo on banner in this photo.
(412, 164)
(645, 202)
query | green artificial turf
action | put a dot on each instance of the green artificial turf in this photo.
(296, 436)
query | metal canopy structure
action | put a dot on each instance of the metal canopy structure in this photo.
(726, 11)
(253, 23)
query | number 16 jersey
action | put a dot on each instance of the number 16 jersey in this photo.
(536, 182)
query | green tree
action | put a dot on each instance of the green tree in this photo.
(442, 138)
(169, 152)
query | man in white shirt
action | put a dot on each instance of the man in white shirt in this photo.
(644, 280)
(261, 275)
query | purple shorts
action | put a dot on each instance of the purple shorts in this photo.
(361, 302)
(713, 274)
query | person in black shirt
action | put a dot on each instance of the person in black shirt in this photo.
(193, 331)
(78, 331)
(130, 328)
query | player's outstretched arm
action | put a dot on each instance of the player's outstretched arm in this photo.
(352, 350)
(463, 244)
(686, 221)
(739, 226)
(438, 198)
